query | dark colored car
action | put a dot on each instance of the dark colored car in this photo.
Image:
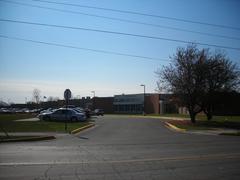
(99, 112)
(63, 114)
(87, 112)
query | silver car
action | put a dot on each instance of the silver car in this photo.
(63, 115)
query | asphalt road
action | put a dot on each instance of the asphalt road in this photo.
(123, 148)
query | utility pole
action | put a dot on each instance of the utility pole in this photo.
(93, 99)
(143, 98)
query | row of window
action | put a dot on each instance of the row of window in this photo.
(127, 100)
(134, 108)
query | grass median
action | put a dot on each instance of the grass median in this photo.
(8, 123)
(226, 122)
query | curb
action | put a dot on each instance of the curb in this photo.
(174, 128)
(25, 139)
(203, 132)
(75, 131)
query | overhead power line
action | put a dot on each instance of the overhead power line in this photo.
(118, 33)
(142, 14)
(84, 49)
(124, 20)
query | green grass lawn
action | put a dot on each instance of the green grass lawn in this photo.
(232, 122)
(203, 117)
(8, 124)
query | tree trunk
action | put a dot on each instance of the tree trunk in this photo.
(209, 113)
(209, 116)
(192, 116)
(5, 132)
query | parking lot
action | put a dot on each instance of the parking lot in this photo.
(122, 147)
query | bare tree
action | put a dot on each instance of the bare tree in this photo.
(36, 95)
(221, 75)
(182, 79)
(195, 76)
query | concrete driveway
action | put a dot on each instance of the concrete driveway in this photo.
(120, 147)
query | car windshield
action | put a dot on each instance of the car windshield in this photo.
(78, 110)
(57, 112)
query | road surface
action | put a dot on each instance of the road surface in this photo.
(121, 147)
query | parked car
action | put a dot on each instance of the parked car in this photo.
(76, 108)
(69, 106)
(47, 110)
(5, 111)
(63, 115)
(79, 109)
(99, 112)
(87, 112)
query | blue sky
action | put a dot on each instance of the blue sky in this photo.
(25, 66)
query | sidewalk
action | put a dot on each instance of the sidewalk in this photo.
(34, 134)
(173, 118)
(160, 117)
(212, 131)
(28, 120)
(30, 136)
(216, 131)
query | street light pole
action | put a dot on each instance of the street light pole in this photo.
(93, 99)
(26, 102)
(93, 93)
(143, 98)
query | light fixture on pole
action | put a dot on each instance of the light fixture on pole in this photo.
(93, 99)
(143, 98)
(93, 93)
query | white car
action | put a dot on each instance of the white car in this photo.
(63, 114)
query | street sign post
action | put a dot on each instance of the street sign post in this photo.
(67, 96)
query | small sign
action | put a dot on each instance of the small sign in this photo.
(67, 94)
